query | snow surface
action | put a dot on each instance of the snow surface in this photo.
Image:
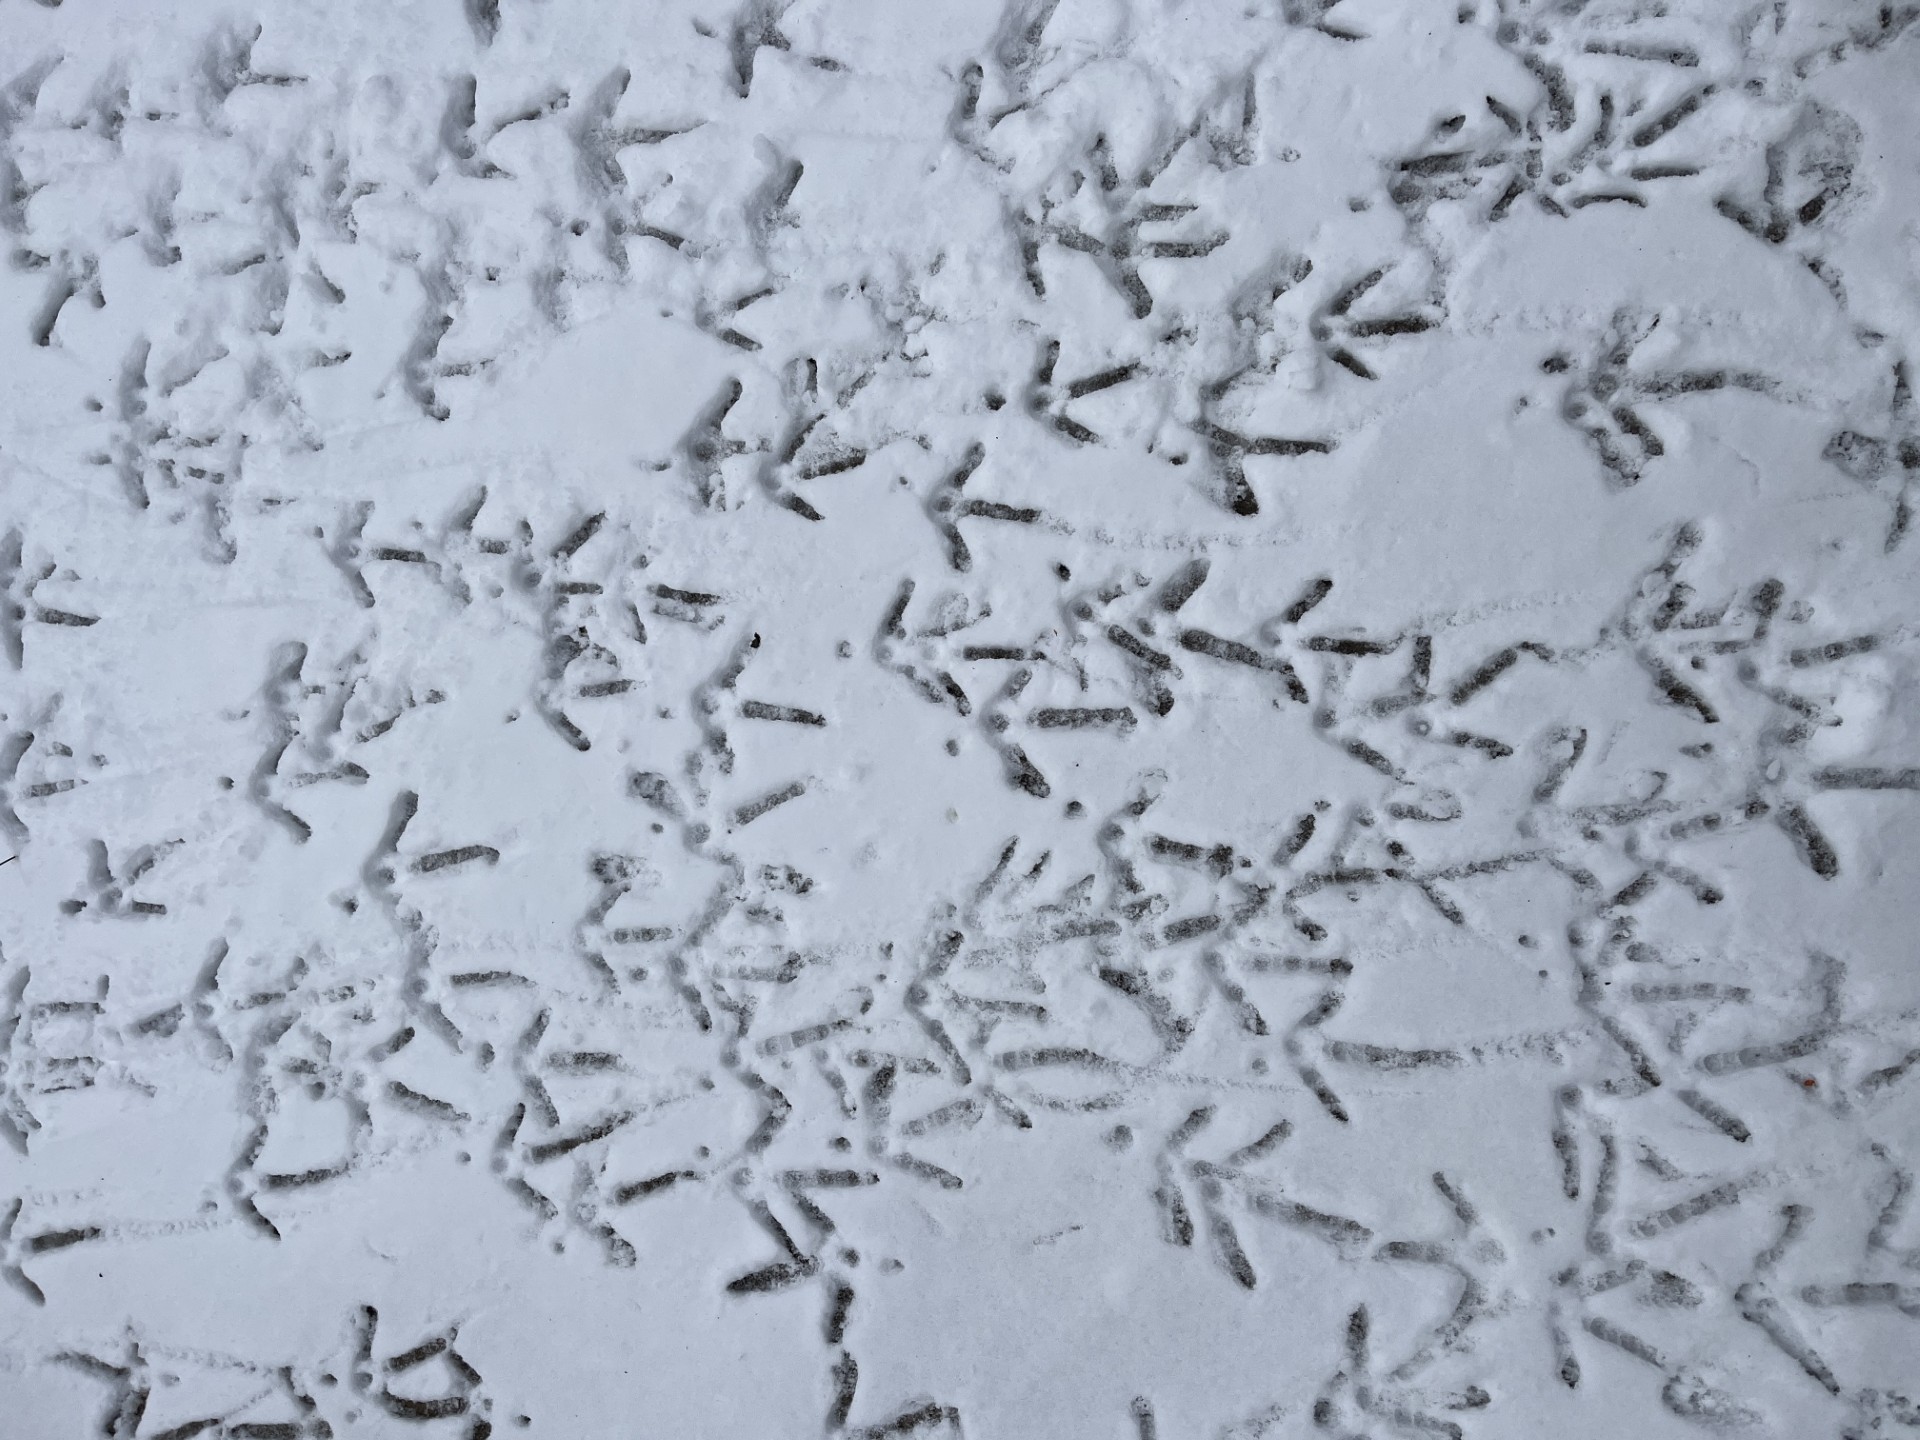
(1068, 718)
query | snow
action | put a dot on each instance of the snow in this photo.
(1074, 718)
